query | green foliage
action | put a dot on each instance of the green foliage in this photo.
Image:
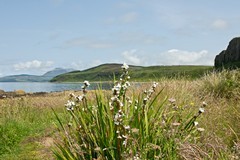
(105, 72)
(122, 126)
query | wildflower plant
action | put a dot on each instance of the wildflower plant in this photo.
(125, 126)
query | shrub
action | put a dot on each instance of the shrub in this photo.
(222, 84)
(123, 126)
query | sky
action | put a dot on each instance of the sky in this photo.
(39, 35)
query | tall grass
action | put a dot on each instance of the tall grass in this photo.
(23, 122)
(222, 89)
(222, 84)
(126, 125)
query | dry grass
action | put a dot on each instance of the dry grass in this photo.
(221, 121)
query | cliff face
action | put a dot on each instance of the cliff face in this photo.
(231, 56)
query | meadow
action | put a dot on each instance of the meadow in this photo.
(171, 118)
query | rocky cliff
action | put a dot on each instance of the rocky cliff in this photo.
(231, 56)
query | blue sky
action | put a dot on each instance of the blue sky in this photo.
(39, 35)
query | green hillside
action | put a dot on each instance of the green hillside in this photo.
(106, 72)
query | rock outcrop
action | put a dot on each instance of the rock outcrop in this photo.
(229, 57)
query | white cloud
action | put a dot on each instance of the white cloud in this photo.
(35, 64)
(220, 24)
(131, 58)
(180, 57)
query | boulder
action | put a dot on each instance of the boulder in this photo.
(229, 57)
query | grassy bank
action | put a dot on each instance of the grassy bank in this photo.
(28, 125)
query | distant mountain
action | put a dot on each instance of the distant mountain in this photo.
(35, 78)
(107, 72)
(56, 71)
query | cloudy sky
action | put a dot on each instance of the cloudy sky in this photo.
(39, 35)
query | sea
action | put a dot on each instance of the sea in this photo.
(32, 87)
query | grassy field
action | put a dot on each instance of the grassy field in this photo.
(29, 128)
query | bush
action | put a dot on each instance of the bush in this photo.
(222, 84)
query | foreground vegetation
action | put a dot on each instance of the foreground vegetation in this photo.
(27, 126)
(106, 72)
(164, 122)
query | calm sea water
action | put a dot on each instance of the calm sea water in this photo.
(48, 87)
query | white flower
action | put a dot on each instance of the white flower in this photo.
(195, 123)
(124, 136)
(127, 127)
(172, 100)
(145, 101)
(125, 143)
(145, 92)
(130, 102)
(128, 84)
(200, 129)
(154, 84)
(125, 66)
(86, 83)
(70, 104)
(117, 123)
(204, 104)
(79, 98)
(113, 99)
(72, 95)
(119, 137)
(135, 107)
(116, 89)
(201, 110)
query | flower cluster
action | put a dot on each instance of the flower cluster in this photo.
(84, 87)
(117, 103)
(118, 118)
(75, 100)
(70, 105)
(119, 89)
(149, 92)
(200, 111)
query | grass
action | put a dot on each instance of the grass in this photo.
(158, 128)
(24, 123)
